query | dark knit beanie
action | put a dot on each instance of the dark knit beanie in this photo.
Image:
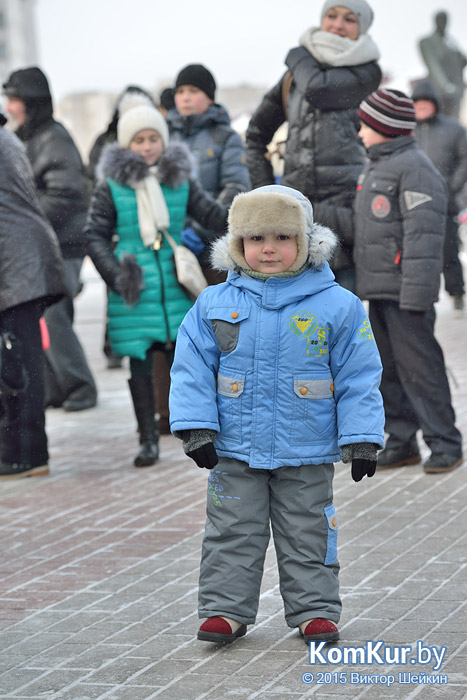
(166, 99)
(199, 76)
(389, 112)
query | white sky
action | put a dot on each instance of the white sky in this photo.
(107, 44)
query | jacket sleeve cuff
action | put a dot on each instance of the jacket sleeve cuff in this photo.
(193, 439)
(359, 450)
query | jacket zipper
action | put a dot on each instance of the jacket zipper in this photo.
(157, 246)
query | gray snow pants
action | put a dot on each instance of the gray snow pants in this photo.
(242, 503)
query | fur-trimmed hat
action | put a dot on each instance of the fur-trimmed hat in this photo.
(199, 76)
(389, 112)
(360, 8)
(273, 209)
(138, 118)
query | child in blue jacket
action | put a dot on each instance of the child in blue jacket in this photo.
(275, 377)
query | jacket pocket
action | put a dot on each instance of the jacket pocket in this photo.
(331, 544)
(313, 414)
(229, 402)
(384, 203)
(225, 323)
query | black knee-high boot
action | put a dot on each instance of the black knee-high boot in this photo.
(142, 393)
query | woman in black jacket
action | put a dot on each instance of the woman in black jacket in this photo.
(329, 74)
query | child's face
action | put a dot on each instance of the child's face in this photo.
(148, 143)
(370, 137)
(270, 253)
(341, 21)
(191, 100)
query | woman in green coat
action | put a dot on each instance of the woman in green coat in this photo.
(144, 188)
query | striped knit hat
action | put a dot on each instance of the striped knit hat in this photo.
(389, 112)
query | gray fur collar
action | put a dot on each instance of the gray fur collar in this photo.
(322, 243)
(128, 168)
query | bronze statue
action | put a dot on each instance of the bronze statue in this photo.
(445, 63)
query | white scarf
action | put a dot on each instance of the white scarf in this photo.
(153, 215)
(335, 50)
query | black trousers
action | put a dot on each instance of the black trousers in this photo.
(23, 437)
(414, 386)
(67, 368)
(144, 368)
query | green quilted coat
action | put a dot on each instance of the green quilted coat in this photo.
(163, 303)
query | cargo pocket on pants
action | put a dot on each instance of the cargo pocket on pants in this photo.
(331, 547)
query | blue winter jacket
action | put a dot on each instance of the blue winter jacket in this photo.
(286, 371)
(218, 151)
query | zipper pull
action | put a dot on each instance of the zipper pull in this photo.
(157, 245)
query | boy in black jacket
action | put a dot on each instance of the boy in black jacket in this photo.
(399, 220)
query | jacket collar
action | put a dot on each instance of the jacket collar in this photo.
(399, 143)
(214, 116)
(128, 168)
(275, 293)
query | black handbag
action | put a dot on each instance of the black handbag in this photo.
(13, 376)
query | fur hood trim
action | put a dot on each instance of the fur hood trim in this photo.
(273, 209)
(128, 168)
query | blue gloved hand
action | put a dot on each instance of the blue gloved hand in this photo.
(192, 241)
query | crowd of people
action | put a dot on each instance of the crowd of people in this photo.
(277, 372)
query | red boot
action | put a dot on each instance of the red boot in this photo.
(319, 630)
(217, 629)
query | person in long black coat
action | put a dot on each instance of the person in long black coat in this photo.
(63, 193)
(31, 280)
(444, 140)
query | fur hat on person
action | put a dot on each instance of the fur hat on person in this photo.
(199, 76)
(138, 118)
(273, 209)
(360, 8)
(389, 112)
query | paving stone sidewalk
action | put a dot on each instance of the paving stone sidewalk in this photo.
(99, 567)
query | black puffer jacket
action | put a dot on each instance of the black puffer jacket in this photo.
(57, 166)
(399, 220)
(324, 154)
(444, 140)
(30, 260)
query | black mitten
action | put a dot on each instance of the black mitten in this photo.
(129, 281)
(204, 456)
(360, 467)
